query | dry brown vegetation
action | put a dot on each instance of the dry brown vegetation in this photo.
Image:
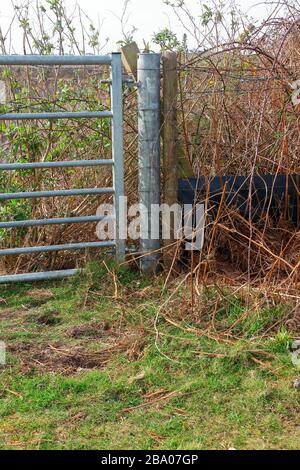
(238, 118)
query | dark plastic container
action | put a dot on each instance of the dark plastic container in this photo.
(276, 196)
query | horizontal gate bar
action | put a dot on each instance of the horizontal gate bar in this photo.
(55, 60)
(43, 276)
(48, 249)
(54, 115)
(66, 164)
(59, 193)
(62, 221)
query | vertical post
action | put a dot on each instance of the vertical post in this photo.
(170, 150)
(117, 153)
(149, 156)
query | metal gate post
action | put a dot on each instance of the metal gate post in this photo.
(118, 154)
(149, 156)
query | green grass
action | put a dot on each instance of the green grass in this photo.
(188, 388)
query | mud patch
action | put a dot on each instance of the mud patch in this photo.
(69, 359)
(19, 348)
(91, 330)
(58, 358)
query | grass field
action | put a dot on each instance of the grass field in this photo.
(96, 363)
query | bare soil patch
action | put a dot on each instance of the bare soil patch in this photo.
(91, 330)
(69, 359)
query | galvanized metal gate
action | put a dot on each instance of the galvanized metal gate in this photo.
(116, 163)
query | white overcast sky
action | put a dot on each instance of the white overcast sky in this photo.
(147, 15)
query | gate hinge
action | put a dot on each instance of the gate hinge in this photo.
(131, 82)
